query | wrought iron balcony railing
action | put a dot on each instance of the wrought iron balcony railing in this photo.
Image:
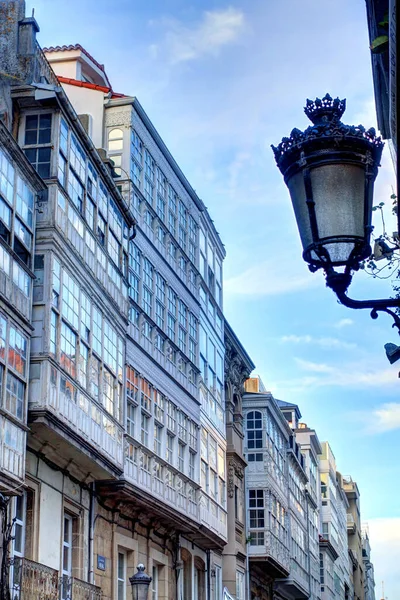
(33, 581)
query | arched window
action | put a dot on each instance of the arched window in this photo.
(115, 139)
(186, 575)
(199, 579)
(254, 430)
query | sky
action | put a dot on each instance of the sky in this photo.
(222, 81)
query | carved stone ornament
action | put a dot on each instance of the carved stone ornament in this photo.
(236, 371)
(115, 118)
(234, 470)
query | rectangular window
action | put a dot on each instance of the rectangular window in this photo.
(15, 394)
(94, 377)
(19, 532)
(67, 550)
(130, 419)
(136, 174)
(53, 333)
(108, 392)
(77, 158)
(85, 317)
(40, 160)
(192, 462)
(171, 327)
(239, 585)
(218, 583)
(256, 517)
(70, 303)
(24, 202)
(17, 351)
(157, 439)
(171, 416)
(137, 147)
(147, 301)
(181, 457)
(148, 190)
(149, 165)
(144, 430)
(146, 394)
(62, 170)
(7, 174)
(182, 339)
(97, 342)
(38, 129)
(75, 191)
(203, 475)
(68, 349)
(121, 576)
(169, 450)
(154, 583)
(148, 272)
(110, 346)
(159, 402)
(83, 365)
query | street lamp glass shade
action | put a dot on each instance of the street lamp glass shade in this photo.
(339, 203)
(140, 583)
(330, 170)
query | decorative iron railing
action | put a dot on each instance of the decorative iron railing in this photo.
(33, 581)
(81, 590)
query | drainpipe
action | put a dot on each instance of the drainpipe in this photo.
(208, 574)
(246, 521)
(92, 521)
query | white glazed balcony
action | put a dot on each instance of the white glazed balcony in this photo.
(20, 302)
(12, 449)
(273, 547)
(99, 268)
(213, 516)
(81, 414)
(181, 495)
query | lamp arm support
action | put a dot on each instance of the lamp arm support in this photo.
(379, 305)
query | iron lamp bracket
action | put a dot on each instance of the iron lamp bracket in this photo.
(339, 283)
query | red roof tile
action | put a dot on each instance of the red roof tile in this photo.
(85, 84)
(82, 49)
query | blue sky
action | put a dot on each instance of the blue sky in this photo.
(222, 81)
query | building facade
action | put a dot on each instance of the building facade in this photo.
(266, 445)
(334, 559)
(238, 367)
(369, 580)
(354, 531)
(119, 287)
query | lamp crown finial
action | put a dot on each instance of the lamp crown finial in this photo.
(325, 110)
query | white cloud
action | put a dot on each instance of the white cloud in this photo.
(322, 342)
(384, 535)
(274, 276)
(385, 417)
(314, 367)
(343, 323)
(215, 30)
(358, 374)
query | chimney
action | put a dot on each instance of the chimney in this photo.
(17, 52)
(28, 28)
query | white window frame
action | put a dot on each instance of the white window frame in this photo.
(154, 582)
(122, 579)
(70, 519)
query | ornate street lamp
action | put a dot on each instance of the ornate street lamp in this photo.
(140, 582)
(330, 170)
